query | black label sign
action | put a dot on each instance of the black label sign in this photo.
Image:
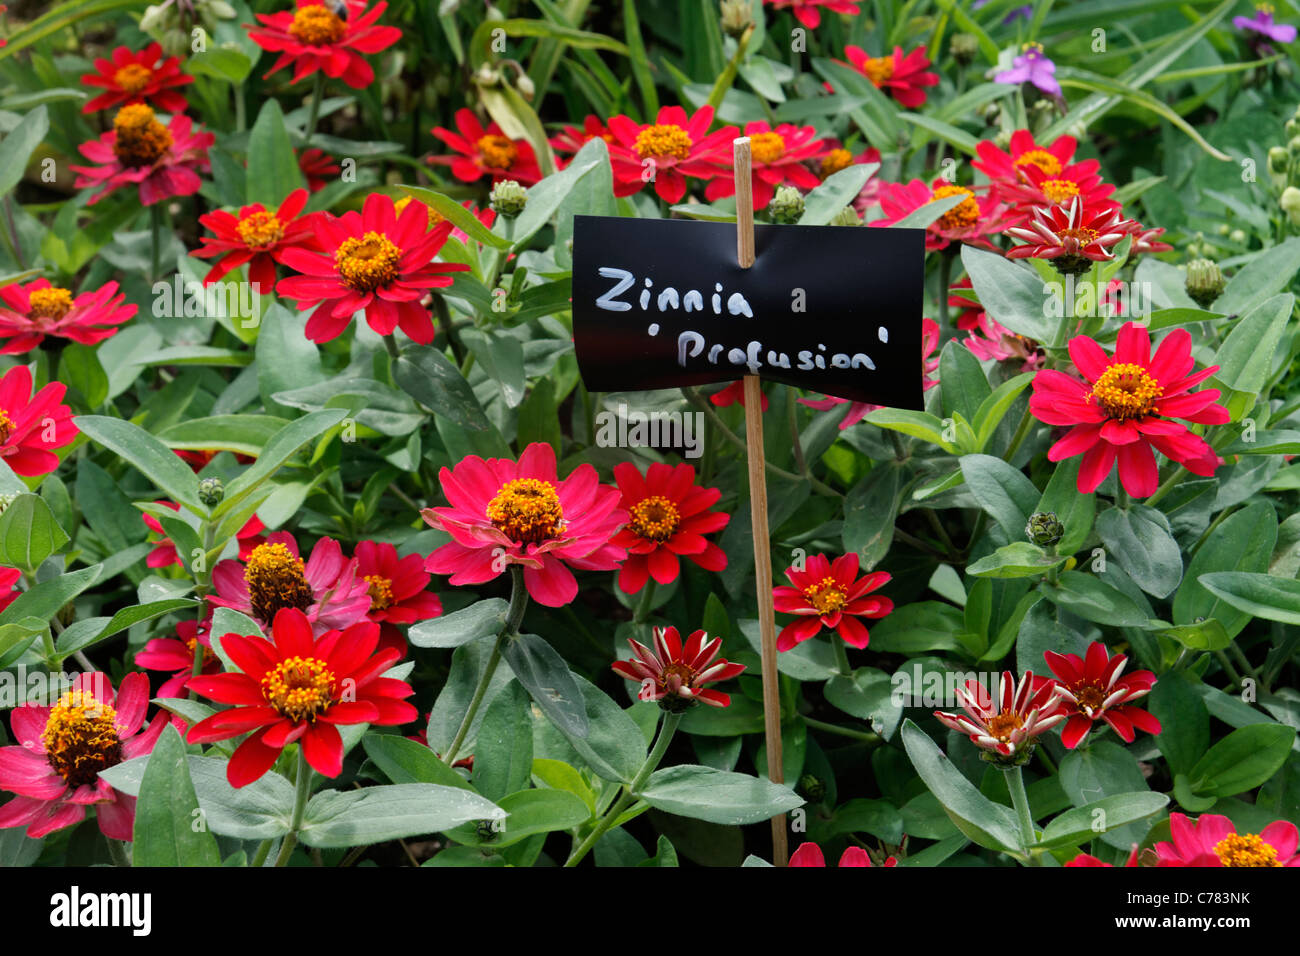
(659, 303)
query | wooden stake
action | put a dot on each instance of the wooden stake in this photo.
(758, 509)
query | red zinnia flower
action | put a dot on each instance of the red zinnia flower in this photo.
(327, 588)
(1043, 189)
(164, 552)
(667, 151)
(668, 515)
(902, 77)
(1031, 175)
(176, 654)
(1087, 859)
(486, 216)
(373, 261)
(837, 157)
(296, 687)
(317, 168)
(29, 313)
(314, 38)
(1072, 236)
(486, 152)
(1006, 167)
(1148, 241)
(397, 590)
(810, 854)
(1091, 689)
(779, 156)
(1010, 724)
(830, 595)
(9, 578)
(1126, 406)
(138, 78)
(674, 675)
(163, 161)
(976, 216)
(55, 768)
(571, 139)
(504, 512)
(809, 12)
(257, 238)
(1213, 841)
(31, 426)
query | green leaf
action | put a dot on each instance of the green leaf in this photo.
(1095, 600)
(918, 424)
(718, 796)
(917, 627)
(1243, 542)
(148, 455)
(503, 752)
(546, 676)
(529, 812)
(1103, 769)
(1176, 703)
(47, 598)
(28, 533)
(1079, 825)
(1257, 594)
(460, 627)
(273, 170)
(1072, 508)
(1019, 559)
(409, 761)
(126, 618)
(870, 511)
(240, 434)
(1245, 358)
(965, 386)
(17, 147)
(378, 814)
(869, 696)
(836, 192)
(458, 215)
(502, 357)
(425, 374)
(1266, 274)
(1012, 294)
(545, 197)
(1206, 635)
(1140, 541)
(1242, 760)
(278, 450)
(223, 63)
(169, 826)
(81, 371)
(1002, 491)
(992, 409)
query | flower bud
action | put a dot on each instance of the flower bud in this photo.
(812, 788)
(1204, 282)
(211, 491)
(1290, 203)
(1292, 126)
(509, 198)
(1237, 235)
(963, 47)
(524, 85)
(1278, 159)
(847, 216)
(1044, 528)
(1293, 147)
(737, 17)
(787, 206)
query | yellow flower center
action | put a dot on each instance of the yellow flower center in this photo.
(1040, 158)
(1060, 190)
(655, 518)
(435, 217)
(140, 139)
(276, 581)
(80, 738)
(1126, 391)
(826, 596)
(51, 303)
(6, 426)
(961, 216)
(497, 152)
(1004, 725)
(260, 230)
(766, 147)
(299, 688)
(368, 263)
(878, 69)
(317, 25)
(1082, 235)
(1245, 849)
(834, 161)
(381, 592)
(527, 510)
(663, 142)
(133, 77)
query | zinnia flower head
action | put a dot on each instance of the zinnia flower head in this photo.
(778, 156)
(1092, 688)
(504, 512)
(374, 261)
(1072, 237)
(138, 78)
(1212, 840)
(668, 515)
(996, 342)
(675, 676)
(397, 588)
(1023, 151)
(902, 77)
(61, 749)
(810, 854)
(827, 595)
(29, 313)
(974, 217)
(313, 38)
(297, 687)
(32, 426)
(1010, 725)
(317, 168)
(257, 238)
(668, 151)
(162, 161)
(570, 139)
(809, 12)
(486, 151)
(1125, 407)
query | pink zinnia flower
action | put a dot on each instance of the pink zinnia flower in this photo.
(163, 161)
(1213, 841)
(29, 313)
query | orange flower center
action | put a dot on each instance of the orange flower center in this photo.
(1060, 190)
(1245, 849)
(276, 580)
(663, 142)
(381, 592)
(961, 216)
(133, 78)
(527, 510)
(655, 518)
(6, 426)
(140, 139)
(878, 69)
(317, 25)
(260, 230)
(827, 596)
(368, 263)
(435, 217)
(1090, 696)
(767, 147)
(193, 643)
(1040, 158)
(1126, 391)
(1004, 725)
(497, 152)
(834, 161)
(80, 738)
(299, 687)
(51, 303)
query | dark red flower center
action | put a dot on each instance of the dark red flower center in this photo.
(140, 139)
(655, 518)
(317, 25)
(299, 687)
(1090, 696)
(80, 738)
(276, 580)
(1125, 391)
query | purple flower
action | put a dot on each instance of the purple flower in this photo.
(1032, 67)
(1262, 23)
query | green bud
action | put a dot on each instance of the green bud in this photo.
(1237, 235)
(847, 216)
(811, 788)
(787, 206)
(1293, 147)
(1044, 528)
(509, 198)
(1204, 282)
(737, 17)
(963, 47)
(211, 491)
(1278, 159)
(1223, 229)
(525, 86)
(1292, 126)
(1290, 203)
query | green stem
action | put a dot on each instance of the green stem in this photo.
(155, 241)
(241, 115)
(1244, 661)
(263, 851)
(1020, 800)
(1022, 432)
(642, 612)
(11, 236)
(666, 731)
(390, 343)
(444, 320)
(842, 657)
(1228, 668)
(117, 852)
(302, 791)
(514, 617)
(792, 417)
(317, 93)
(1167, 487)
(865, 736)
